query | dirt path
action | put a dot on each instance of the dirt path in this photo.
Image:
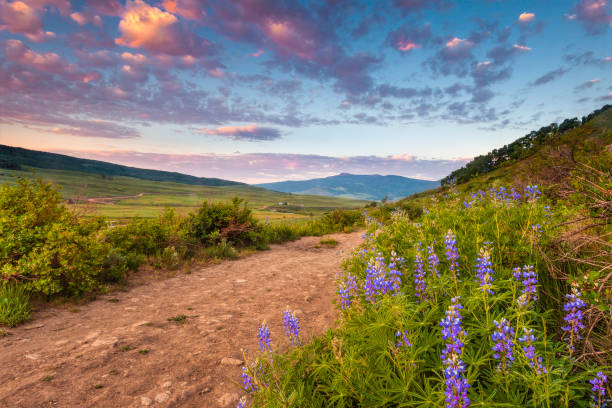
(121, 351)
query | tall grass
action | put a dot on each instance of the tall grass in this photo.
(14, 305)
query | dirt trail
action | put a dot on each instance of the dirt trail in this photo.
(95, 357)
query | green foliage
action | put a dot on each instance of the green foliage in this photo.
(14, 305)
(359, 363)
(44, 245)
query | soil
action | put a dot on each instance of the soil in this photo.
(121, 350)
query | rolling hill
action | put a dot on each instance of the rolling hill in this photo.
(364, 187)
(14, 158)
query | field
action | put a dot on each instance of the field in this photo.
(123, 198)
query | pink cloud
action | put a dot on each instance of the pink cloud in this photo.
(151, 28)
(291, 38)
(258, 53)
(405, 45)
(62, 5)
(17, 51)
(525, 17)
(83, 19)
(458, 43)
(190, 9)
(20, 18)
(106, 7)
(522, 48)
(595, 15)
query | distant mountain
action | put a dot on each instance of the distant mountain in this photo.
(14, 158)
(365, 187)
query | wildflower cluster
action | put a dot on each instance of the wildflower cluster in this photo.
(380, 278)
(395, 274)
(529, 350)
(530, 280)
(247, 381)
(484, 271)
(419, 276)
(264, 337)
(452, 253)
(347, 291)
(599, 389)
(453, 334)
(532, 193)
(402, 339)
(291, 324)
(503, 338)
(573, 318)
(432, 261)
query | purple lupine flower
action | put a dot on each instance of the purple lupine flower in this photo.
(432, 261)
(456, 384)
(247, 381)
(517, 274)
(264, 337)
(514, 195)
(395, 274)
(503, 338)
(402, 339)
(573, 318)
(532, 193)
(347, 290)
(467, 204)
(242, 402)
(292, 327)
(375, 279)
(484, 271)
(529, 350)
(452, 253)
(536, 232)
(529, 282)
(419, 276)
(599, 389)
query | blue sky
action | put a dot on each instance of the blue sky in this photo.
(264, 90)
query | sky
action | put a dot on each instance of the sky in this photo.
(264, 90)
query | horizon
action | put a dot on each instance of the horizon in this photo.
(262, 92)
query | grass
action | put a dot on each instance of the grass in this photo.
(144, 351)
(78, 187)
(178, 319)
(329, 243)
(126, 348)
(14, 305)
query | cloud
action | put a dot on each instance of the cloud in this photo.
(454, 58)
(409, 37)
(526, 18)
(549, 76)
(19, 17)
(366, 24)
(595, 15)
(487, 73)
(157, 31)
(250, 133)
(587, 58)
(415, 6)
(587, 84)
(83, 19)
(106, 7)
(269, 167)
(189, 9)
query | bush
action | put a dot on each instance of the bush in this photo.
(14, 305)
(45, 245)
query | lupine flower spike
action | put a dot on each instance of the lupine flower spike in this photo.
(451, 253)
(247, 381)
(433, 261)
(529, 350)
(456, 384)
(484, 271)
(503, 338)
(242, 403)
(402, 339)
(347, 290)
(419, 276)
(573, 318)
(264, 338)
(599, 389)
(529, 292)
(292, 327)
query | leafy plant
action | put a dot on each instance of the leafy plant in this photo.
(14, 305)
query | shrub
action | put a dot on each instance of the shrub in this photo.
(45, 245)
(14, 305)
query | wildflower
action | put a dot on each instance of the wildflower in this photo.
(292, 327)
(433, 261)
(529, 351)
(467, 204)
(573, 317)
(375, 279)
(264, 337)
(456, 384)
(529, 282)
(419, 276)
(402, 339)
(503, 338)
(347, 290)
(484, 271)
(247, 381)
(451, 252)
(242, 402)
(395, 274)
(532, 193)
(599, 388)
(536, 232)
(516, 273)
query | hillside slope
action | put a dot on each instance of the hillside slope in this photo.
(14, 158)
(365, 187)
